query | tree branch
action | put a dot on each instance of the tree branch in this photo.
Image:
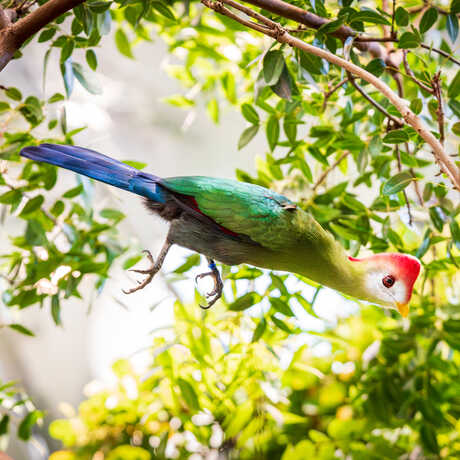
(328, 170)
(397, 121)
(281, 35)
(286, 10)
(14, 35)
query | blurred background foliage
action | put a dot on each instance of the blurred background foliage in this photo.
(244, 380)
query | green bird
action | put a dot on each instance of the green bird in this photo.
(235, 222)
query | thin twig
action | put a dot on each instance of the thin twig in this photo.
(328, 170)
(441, 52)
(412, 75)
(361, 39)
(397, 121)
(436, 81)
(329, 93)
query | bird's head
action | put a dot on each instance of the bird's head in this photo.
(389, 279)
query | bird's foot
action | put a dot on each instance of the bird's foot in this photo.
(218, 284)
(151, 271)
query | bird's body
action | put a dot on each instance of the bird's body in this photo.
(231, 221)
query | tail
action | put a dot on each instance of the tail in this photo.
(99, 167)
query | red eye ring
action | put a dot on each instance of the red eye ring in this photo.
(388, 281)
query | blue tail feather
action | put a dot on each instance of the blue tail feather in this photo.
(99, 167)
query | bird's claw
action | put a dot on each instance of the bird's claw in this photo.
(218, 285)
(150, 272)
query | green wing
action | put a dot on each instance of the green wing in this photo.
(243, 208)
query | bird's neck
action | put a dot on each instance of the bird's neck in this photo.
(321, 258)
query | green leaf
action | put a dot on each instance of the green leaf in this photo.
(32, 205)
(455, 6)
(455, 232)
(259, 330)
(4, 422)
(4, 106)
(281, 306)
(47, 34)
(73, 192)
(408, 40)
(67, 50)
(368, 16)
(245, 301)
(285, 85)
(56, 97)
(189, 394)
(112, 214)
(416, 105)
(456, 128)
(401, 16)
(23, 330)
(229, 85)
(91, 59)
(247, 135)
(25, 427)
(273, 64)
(428, 19)
(437, 217)
(311, 63)
(35, 234)
(397, 183)
(179, 101)
(123, 44)
(250, 114)
(331, 27)
(68, 77)
(87, 79)
(13, 93)
(135, 164)
(13, 196)
(192, 261)
(397, 136)
(164, 10)
(452, 27)
(56, 309)
(212, 109)
(281, 324)
(376, 66)
(454, 87)
(131, 261)
(273, 131)
(428, 437)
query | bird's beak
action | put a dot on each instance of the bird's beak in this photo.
(403, 308)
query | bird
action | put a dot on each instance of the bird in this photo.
(235, 222)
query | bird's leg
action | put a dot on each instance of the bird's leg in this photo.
(153, 270)
(218, 284)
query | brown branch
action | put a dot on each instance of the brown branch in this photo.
(326, 172)
(441, 52)
(329, 93)
(436, 81)
(288, 11)
(397, 121)
(282, 36)
(13, 36)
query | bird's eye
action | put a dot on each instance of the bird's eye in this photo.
(388, 281)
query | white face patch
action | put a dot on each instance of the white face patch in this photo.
(388, 296)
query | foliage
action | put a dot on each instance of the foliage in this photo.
(364, 177)
(16, 411)
(213, 387)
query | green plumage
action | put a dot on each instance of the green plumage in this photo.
(289, 238)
